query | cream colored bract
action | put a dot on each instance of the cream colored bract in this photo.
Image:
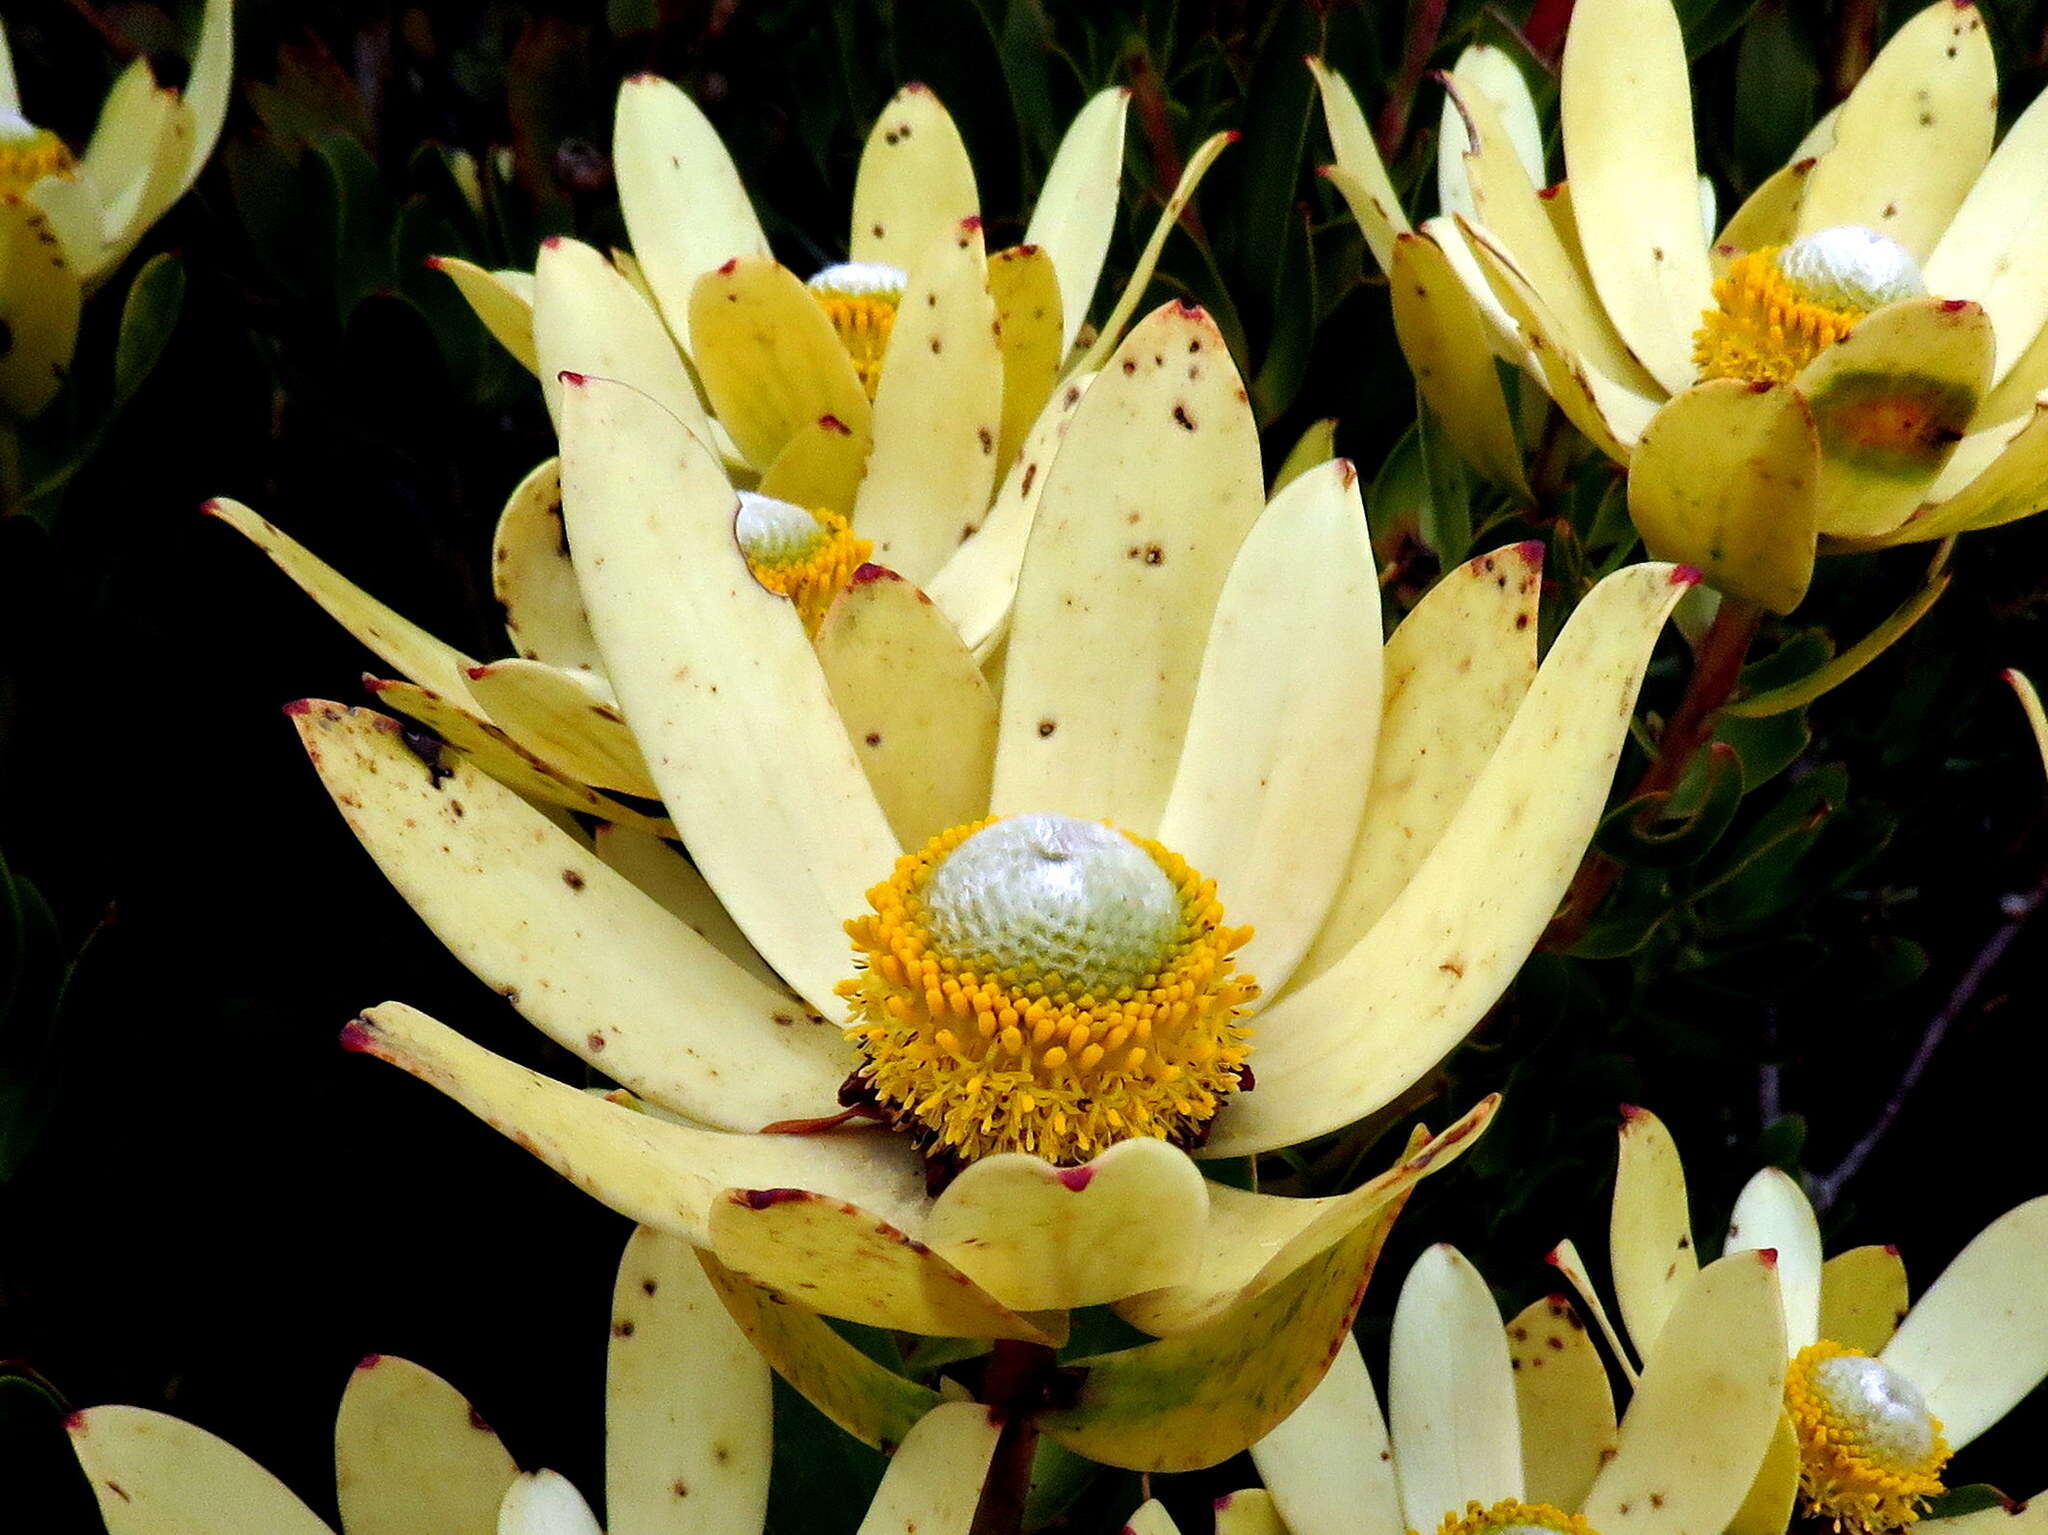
(1184, 659)
(66, 224)
(1964, 1355)
(1496, 1429)
(688, 1417)
(1921, 424)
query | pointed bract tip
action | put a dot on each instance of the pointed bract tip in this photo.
(1532, 551)
(1189, 310)
(1553, 1259)
(1323, 172)
(2009, 676)
(210, 507)
(1558, 1300)
(1549, 193)
(573, 380)
(731, 265)
(372, 683)
(1762, 385)
(872, 572)
(369, 1361)
(74, 1423)
(1892, 1248)
(1686, 575)
(477, 673)
(642, 77)
(1224, 1502)
(1630, 1113)
(1957, 305)
(433, 263)
(1767, 1256)
(1076, 1179)
(832, 423)
(551, 243)
(914, 88)
(1233, 135)
(971, 223)
(358, 1035)
(299, 706)
(1347, 473)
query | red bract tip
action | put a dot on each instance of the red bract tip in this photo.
(477, 673)
(1191, 311)
(573, 380)
(1560, 1300)
(873, 572)
(728, 268)
(210, 507)
(1548, 193)
(1768, 1256)
(834, 424)
(1233, 135)
(2009, 676)
(1952, 305)
(1347, 473)
(1323, 171)
(552, 242)
(369, 1361)
(1686, 575)
(1027, 250)
(1225, 1501)
(375, 684)
(1553, 1259)
(1762, 385)
(642, 78)
(1892, 1248)
(432, 263)
(74, 1423)
(1801, 167)
(299, 706)
(971, 223)
(1077, 1178)
(1630, 1113)
(915, 88)
(762, 1199)
(1531, 551)
(358, 1035)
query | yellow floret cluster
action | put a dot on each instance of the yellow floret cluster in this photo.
(1015, 1060)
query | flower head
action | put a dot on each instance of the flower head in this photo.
(1044, 984)
(1878, 1394)
(1881, 295)
(68, 221)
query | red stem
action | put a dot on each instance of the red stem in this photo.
(1714, 676)
(1014, 1387)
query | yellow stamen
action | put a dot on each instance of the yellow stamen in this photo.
(27, 155)
(1870, 1454)
(860, 299)
(1764, 329)
(1511, 1514)
(809, 562)
(1087, 932)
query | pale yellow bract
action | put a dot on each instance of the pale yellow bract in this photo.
(1921, 424)
(1183, 659)
(1960, 1358)
(914, 445)
(688, 1419)
(66, 223)
(1490, 1429)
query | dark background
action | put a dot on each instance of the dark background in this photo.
(208, 1207)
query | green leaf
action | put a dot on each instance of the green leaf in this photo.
(149, 315)
(1661, 831)
(1971, 1499)
(1447, 519)
(1833, 674)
